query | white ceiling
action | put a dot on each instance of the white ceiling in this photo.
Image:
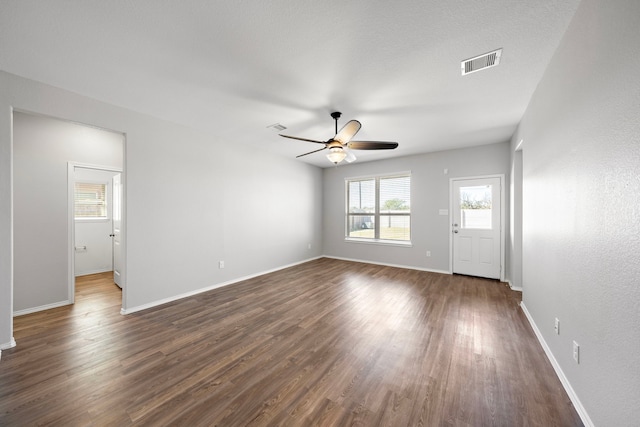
(234, 67)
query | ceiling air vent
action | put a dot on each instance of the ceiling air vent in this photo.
(277, 127)
(481, 62)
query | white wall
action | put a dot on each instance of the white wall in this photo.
(429, 193)
(42, 148)
(93, 244)
(581, 219)
(181, 200)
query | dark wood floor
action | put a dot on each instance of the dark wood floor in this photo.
(324, 343)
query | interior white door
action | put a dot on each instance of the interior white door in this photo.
(477, 227)
(117, 229)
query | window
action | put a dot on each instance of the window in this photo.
(379, 208)
(90, 200)
(475, 207)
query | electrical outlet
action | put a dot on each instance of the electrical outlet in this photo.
(309, 246)
(428, 253)
(221, 264)
(557, 326)
(576, 352)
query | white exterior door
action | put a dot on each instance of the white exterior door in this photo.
(117, 229)
(477, 227)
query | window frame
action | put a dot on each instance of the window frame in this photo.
(377, 214)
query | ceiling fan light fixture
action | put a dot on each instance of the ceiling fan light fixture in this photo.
(336, 155)
(350, 158)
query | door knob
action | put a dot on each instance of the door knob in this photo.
(112, 235)
(455, 231)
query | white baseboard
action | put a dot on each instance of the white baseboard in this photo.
(8, 345)
(514, 288)
(582, 412)
(409, 267)
(40, 308)
(208, 288)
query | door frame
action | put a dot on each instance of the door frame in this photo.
(502, 219)
(71, 224)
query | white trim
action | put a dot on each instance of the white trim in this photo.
(209, 288)
(374, 176)
(514, 288)
(519, 145)
(96, 167)
(41, 308)
(8, 345)
(93, 220)
(408, 267)
(11, 207)
(71, 233)
(383, 242)
(503, 232)
(582, 412)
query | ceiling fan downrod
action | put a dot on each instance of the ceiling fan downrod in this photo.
(336, 115)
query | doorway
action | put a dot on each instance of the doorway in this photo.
(95, 220)
(477, 224)
(43, 147)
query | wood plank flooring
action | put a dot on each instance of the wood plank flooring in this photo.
(326, 343)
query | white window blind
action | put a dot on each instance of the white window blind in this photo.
(379, 208)
(90, 200)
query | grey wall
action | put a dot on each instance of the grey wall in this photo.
(41, 149)
(429, 193)
(185, 195)
(581, 202)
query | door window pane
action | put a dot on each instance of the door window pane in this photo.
(475, 207)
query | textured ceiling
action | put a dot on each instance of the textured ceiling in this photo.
(233, 67)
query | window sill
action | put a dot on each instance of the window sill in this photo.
(92, 219)
(405, 244)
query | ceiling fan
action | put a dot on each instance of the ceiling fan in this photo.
(340, 145)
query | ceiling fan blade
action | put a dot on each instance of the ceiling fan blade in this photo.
(303, 139)
(372, 145)
(311, 152)
(347, 132)
(350, 156)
